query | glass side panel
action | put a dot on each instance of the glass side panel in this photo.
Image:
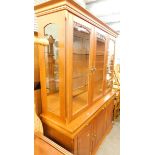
(81, 50)
(99, 62)
(110, 64)
(52, 69)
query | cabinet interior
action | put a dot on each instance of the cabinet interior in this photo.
(80, 75)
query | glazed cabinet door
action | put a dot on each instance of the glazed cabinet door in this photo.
(84, 142)
(110, 65)
(99, 64)
(52, 64)
(80, 45)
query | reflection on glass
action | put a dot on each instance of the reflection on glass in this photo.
(110, 64)
(52, 69)
(81, 43)
(99, 62)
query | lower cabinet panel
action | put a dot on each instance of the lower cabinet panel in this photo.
(92, 136)
(87, 141)
(100, 127)
(84, 141)
(109, 118)
(59, 138)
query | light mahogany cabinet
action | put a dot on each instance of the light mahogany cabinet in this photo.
(76, 73)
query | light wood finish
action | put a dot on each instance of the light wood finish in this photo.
(41, 41)
(72, 128)
(37, 101)
(69, 37)
(109, 118)
(59, 137)
(72, 116)
(73, 7)
(44, 146)
(58, 19)
(84, 143)
(99, 64)
(53, 102)
(36, 64)
(88, 64)
(70, 141)
(37, 95)
(37, 123)
(100, 128)
(79, 101)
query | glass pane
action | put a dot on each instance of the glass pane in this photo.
(110, 64)
(99, 62)
(81, 45)
(52, 69)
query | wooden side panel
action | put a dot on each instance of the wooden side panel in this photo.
(85, 141)
(109, 117)
(37, 101)
(37, 93)
(53, 25)
(59, 138)
(36, 64)
(75, 152)
(44, 146)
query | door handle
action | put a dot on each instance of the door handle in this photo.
(93, 69)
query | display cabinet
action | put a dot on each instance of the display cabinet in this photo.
(76, 72)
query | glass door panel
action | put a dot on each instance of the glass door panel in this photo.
(51, 55)
(110, 65)
(81, 51)
(99, 66)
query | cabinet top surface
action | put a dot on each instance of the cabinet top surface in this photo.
(73, 7)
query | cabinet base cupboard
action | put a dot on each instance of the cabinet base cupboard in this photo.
(84, 135)
(76, 75)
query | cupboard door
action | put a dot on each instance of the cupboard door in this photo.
(99, 63)
(110, 65)
(52, 63)
(110, 108)
(85, 141)
(100, 127)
